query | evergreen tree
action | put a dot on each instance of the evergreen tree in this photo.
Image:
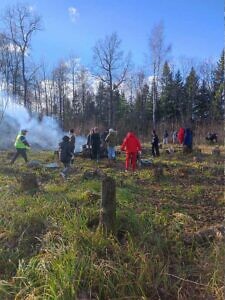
(167, 105)
(217, 107)
(191, 92)
(142, 108)
(179, 97)
(101, 100)
(202, 104)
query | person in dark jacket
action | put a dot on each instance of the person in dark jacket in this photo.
(212, 137)
(155, 144)
(188, 140)
(65, 155)
(21, 146)
(72, 143)
(95, 144)
(103, 150)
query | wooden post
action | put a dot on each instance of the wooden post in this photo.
(108, 205)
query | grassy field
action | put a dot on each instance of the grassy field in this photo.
(170, 231)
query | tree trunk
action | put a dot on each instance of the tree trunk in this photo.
(108, 205)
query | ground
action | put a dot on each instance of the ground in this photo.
(169, 241)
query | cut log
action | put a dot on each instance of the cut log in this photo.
(108, 205)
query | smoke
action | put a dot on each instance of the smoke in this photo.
(45, 134)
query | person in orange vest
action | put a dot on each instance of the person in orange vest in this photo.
(21, 146)
(132, 146)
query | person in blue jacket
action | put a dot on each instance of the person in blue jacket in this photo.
(188, 139)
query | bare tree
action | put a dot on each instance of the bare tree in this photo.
(21, 24)
(158, 52)
(206, 70)
(185, 64)
(9, 65)
(60, 75)
(73, 74)
(111, 67)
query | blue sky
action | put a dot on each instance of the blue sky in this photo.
(193, 27)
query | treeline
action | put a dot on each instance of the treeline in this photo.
(113, 95)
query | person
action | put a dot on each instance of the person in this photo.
(89, 141)
(211, 137)
(95, 144)
(188, 139)
(181, 135)
(111, 144)
(165, 137)
(155, 144)
(72, 143)
(132, 146)
(174, 137)
(21, 146)
(104, 150)
(65, 155)
(104, 135)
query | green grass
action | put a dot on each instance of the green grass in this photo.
(51, 246)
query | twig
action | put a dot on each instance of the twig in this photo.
(186, 280)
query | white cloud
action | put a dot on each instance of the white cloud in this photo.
(73, 14)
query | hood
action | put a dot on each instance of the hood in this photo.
(130, 134)
(66, 138)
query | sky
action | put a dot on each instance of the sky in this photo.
(194, 28)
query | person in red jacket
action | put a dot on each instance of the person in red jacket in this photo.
(181, 135)
(132, 146)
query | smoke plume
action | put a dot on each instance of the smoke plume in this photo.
(45, 134)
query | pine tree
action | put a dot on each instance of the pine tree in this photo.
(167, 106)
(217, 107)
(101, 100)
(202, 104)
(191, 91)
(179, 97)
(142, 107)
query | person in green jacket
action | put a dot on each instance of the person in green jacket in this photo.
(21, 146)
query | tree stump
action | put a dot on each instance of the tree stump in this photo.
(108, 205)
(216, 151)
(28, 182)
(186, 149)
(158, 172)
(198, 150)
(197, 159)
